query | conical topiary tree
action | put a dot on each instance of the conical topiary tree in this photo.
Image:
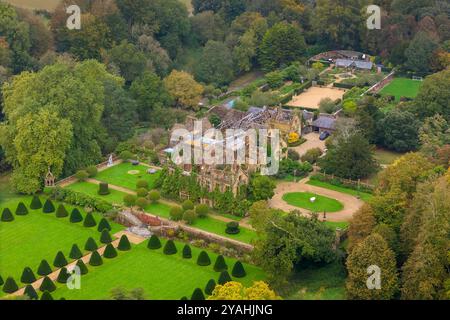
(61, 212)
(48, 206)
(27, 276)
(124, 243)
(96, 259)
(47, 285)
(103, 189)
(75, 216)
(210, 287)
(90, 245)
(7, 215)
(75, 252)
(1, 281)
(203, 259)
(63, 276)
(35, 203)
(110, 251)
(21, 209)
(187, 252)
(83, 269)
(198, 294)
(10, 285)
(105, 237)
(30, 292)
(238, 270)
(224, 277)
(154, 242)
(44, 268)
(89, 221)
(220, 264)
(103, 224)
(46, 296)
(60, 260)
(170, 248)
(184, 298)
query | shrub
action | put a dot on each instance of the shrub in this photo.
(124, 243)
(293, 155)
(187, 252)
(126, 155)
(10, 285)
(170, 248)
(1, 281)
(154, 196)
(60, 260)
(203, 259)
(105, 237)
(46, 296)
(103, 189)
(141, 202)
(238, 270)
(154, 242)
(83, 269)
(80, 199)
(47, 285)
(129, 200)
(89, 220)
(63, 276)
(232, 227)
(48, 206)
(142, 192)
(202, 210)
(7, 215)
(81, 175)
(110, 251)
(75, 252)
(187, 205)
(189, 216)
(224, 277)
(44, 268)
(176, 213)
(312, 155)
(95, 259)
(61, 212)
(142, 184)
(198, 294)
(184, 298)
(103, 224)
(90, 245)
(220, 264)
(92, 171)
(27, 276)
(75, 216)
(210, 287)
(35, 203)
(21, 209)
(30, 292)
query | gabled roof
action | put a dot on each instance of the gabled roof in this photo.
(325, 122)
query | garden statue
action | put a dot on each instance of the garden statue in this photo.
(110, 161)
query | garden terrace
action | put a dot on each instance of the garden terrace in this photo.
(161, 276)
(28, 239)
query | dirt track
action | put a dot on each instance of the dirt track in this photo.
(351, 203)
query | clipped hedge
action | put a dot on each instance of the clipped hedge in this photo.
(63, 275)
(80, 199)
(30, 292)
(210, 286)
(83, 269)
(21, 209)
(46, 296)
(124, 243)
(176, 213)
(75, 216)
(198, 294)
(103, 189)
(95, 259)
(170, 248)
(10, 285)
(105, 237)
(232, 227)
(220, 264)
(90, 245)
(203, 259)
(224, 278)
(44, 268)
(238, 270)
(89, 221)
(75, 252)
(27, 276)
(187, 252)
(103, 224)
(35, 203)
(49, 207)
(60, 260)
(7, 215)
(61, 212)
(47, 285)
(154, 242)
(110, 252)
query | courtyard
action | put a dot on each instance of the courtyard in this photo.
(310, 98)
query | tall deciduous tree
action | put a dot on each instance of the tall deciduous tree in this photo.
(216, 64)
(185, 90)
(400, 131)
(373, 251)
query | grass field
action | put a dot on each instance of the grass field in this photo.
(386, 157)
(402, 87)
(339, 224)
(126, 175)
(28, 239)
(160, 209)
(363, 195)
(161, 276)
(301, 200)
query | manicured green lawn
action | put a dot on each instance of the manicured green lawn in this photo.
(334, 225)
(363, 195)
(386, 157)
(402, 87)
(301, 200)
(161, 209)
(119, 175)
(161, 276)
(28, 239)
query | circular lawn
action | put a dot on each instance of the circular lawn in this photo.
(302, 200)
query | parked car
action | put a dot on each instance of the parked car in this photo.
(324, 135)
